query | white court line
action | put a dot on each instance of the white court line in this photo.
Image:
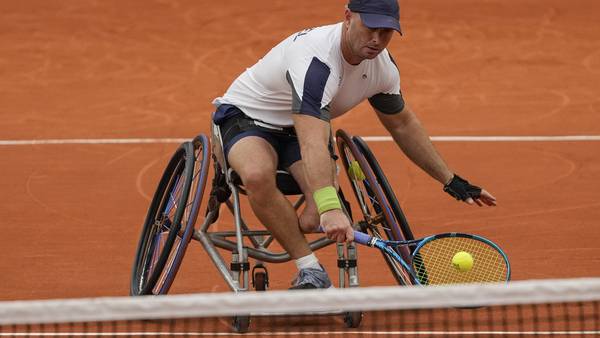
(305, 333)
(91, 141)
(564, 138)
(497, 138)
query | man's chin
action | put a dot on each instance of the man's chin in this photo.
(371, 55)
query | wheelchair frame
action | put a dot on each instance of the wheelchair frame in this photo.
(168, 228)
(237, 277)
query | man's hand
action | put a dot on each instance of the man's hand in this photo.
(484, 198)
(462, 190)
(337, 226)
(309, 218)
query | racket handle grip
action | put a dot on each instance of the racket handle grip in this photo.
(361, 238)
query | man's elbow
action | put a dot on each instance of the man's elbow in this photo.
(399, 122)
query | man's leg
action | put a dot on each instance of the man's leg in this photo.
(255, 160)
(311, 272)
(309, 219)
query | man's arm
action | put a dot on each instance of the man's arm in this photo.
(411, 137)
(313, 136)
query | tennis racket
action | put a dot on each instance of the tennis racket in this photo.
(432, 258)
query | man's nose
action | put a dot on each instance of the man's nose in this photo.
(376, 36)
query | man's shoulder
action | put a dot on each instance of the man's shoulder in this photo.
(316, 33)
(319, 42)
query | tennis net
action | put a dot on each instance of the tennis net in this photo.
(544, 308)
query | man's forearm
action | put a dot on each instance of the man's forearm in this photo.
(313, 136)
(317, 165)
(412, 138)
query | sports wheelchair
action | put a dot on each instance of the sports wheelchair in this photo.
(171, 218)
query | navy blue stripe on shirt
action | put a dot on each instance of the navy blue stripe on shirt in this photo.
(388, 104)
(314, 87)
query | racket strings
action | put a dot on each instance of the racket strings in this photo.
(433, 262)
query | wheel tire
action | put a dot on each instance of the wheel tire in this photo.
(373, 202)
(353, 319)
(260, 281)
(389, 194)
(240, 324)
(163, 241)
(385, 186)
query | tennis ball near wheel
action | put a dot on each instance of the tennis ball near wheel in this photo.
(355, 172)
(462, 261)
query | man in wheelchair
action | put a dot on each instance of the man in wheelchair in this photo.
(276, 115)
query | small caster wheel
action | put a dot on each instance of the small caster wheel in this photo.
(260, 281)
(353, 319)
(260, 278)
(241, 323)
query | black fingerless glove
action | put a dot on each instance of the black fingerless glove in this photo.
(460, 189)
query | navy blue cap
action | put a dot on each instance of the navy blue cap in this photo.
(377, 13)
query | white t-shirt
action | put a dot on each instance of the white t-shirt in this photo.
(306, 73)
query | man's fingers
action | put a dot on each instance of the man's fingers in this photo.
(343, 235)
(484, 198)
(487, 195)
(489, 202)
(349, 235)
(337, 226)
(488, 198)
(337, 234)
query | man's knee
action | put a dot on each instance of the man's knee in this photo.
(257, 180)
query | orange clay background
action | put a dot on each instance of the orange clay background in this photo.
(70, 215)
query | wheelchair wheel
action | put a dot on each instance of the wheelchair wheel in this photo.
(385, 186)
(240, 324)
(176, 201)
(260, 278)
(353, 319)
(379, 218)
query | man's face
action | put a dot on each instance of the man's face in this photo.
(365, 42)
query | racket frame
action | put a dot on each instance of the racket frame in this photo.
(388, 248)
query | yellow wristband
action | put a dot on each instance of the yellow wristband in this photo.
(327, 199)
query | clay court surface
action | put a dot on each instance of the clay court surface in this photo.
(71, 213)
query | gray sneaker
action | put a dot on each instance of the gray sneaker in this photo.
(310, 278)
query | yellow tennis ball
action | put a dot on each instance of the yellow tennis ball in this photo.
(355, 172)
(462, 261)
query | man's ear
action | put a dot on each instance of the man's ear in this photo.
(347, 17)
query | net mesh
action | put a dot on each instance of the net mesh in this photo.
(544, 308)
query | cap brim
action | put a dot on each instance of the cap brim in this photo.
(380, 21)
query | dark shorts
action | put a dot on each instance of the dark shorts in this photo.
(235, 125)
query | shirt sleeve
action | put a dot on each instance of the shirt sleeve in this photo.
(389, 100)
(312, 89)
